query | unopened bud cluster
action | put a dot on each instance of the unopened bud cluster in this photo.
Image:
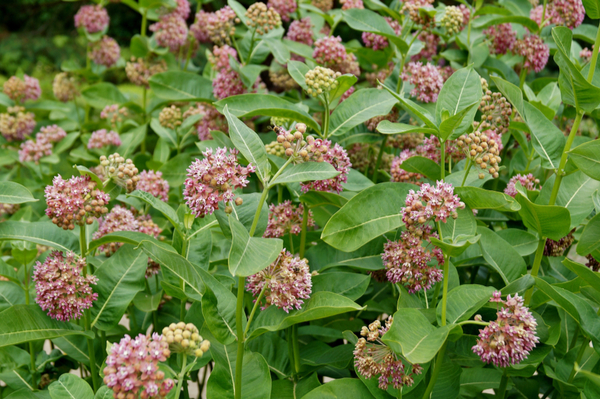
(293, 143)
(184, 338)
(262, 18)
(114, 114)
(64, 87)
(170, 117)
(452, 20)
(495, 112)
(16, 123)
(20, 90)
(139, 71)
(555, 248)
(482, 148)
(275, 148)
(321, 80)
(123, 172)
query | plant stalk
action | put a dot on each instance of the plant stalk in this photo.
(256, 305)
(537, 261)
(594, 59)
(304, 229)
(144, 23)
(443, 159)
(379, 158)
(240, 333)
(563, 159)
(181, 376)
(501, 394)
(579, 357)
(87, 314)
(468, 169)
(326, 117)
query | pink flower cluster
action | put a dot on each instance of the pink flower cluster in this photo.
(215, 27)
(182, 10)
(569, 13)
(74, 201)
(502, 38)
(213, 179)
(510, 338)
(378, 42)
(219, 57)
(407, 261)
(92, 18)
(534, 50)
(212, 120)
(529, 182)
(348, 4)
(105, 51)
(430, 42)
(430, 203)
(34, 150)
(21, 90)
(118, 219)
(335, 155)
(284, 8)
(426, 79)
(330, 52)
(62, 287)
(400, 175)
(170, 31)
(585, 54)
(372, 357)
(288, 280)
(153, 183)
(102, 138)
(51, 133)
(301, 31)
(132, 368)
(286, 217)
(16, 123)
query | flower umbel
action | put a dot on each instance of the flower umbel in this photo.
(152, 182)
(286, 217)
(123, 172)
(185, 339)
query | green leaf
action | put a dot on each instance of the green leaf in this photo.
(14, 193)
(310, 171)
(166, 134)
(522, 241)
(591, 277)
(590, 237)
(592, 8)
(104, 393)
(456, 125)
(219, 311)
(129, 237)
(526, 22)
(83, 171)
(455, 247)
(10, 294)
(461, 91)
(482, 199)
(414, 108)
(473, 381)
(44, 233)
(345, 388)
(463, 301)
(131, 140)
(512, 93)
(345, 82)
(575, 193)
(252, 104)
(347, 284)
(249, 255)
(501, 256)
(249, 144)
(423, 166)
(447, 385)
(159, 205)
(120, 278)
(175, 170)
(371, 213)
(297, 71)
(23, 323)
(103, 94)
(586, 157)
(181, 86)
(553, 222)
(279, 50)
(392, 128)
(413, 336)
(70, 386)
(320, 305)
(362, 105)
(368, 21)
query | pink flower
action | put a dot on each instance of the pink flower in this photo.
(284, 8)
(347, 94)
(170, 31)
(585, 54)
(139, 70)
(301, 31)
(213, 179)
(62, 287)
(92, 18)
(212, 120)
(227, 83)
(153, 183)
(348, 4)
(199, 28)
(571, 12)
(509, 339)
(287, 280)
(336, 155)
(430, 203)
(426, 79)
(132, 368)
(114, 114)
(20, 90)
(182, 10)
(378, 42)
(103, 138)
(105, 51)
(286, 218)
(502, 38)
(529, 182)
(16, 123)
(75, 201)
(64, 87)
(118, 219)
(51, 133)
(34, 150)
(220, 57)
(400, 175)
(534, 50)
(430, 42)
(330, 52)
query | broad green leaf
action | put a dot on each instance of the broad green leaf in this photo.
(392, 128)
(368, 21)
(482, 199)
(590, 237)
(278, 49)
(345, 82)
(501, 256)
(166, 134)
(298, 70)
(175, 170)
(347, 284)
(14, 193)
(526, 22)
(104, 393)
(369, 214)
(120, 278)
(461, 91)
(103, 94)
(249, 255)
(84, 171)
(249, 144)
(454, 126)
(44, 233)
(245, 214)
(70, 386)
(131, 140)
(588, 275)
(473, 381)
(586, 157)
(219, 311)
(553, 222)
(447, 385)
(23, 323)
(320, 305)
(548, 141)
(367, 258)
(165, 209)
(463, 301)
(455, 247)
(76, 348)
(345, 388)
(414, 108)
(413, 336)
(592, 8)
(181, 86)
(362, 105)
(575, 193)
(501, 68)
(522, 241)
(512, 93)
(310, 171)
(464, 225)
(423, 166)
(10, 294)
(252, 104)
(129, 237)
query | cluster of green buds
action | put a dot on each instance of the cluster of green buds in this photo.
(275, 148)
(483, 149)
(282, 121)
(170, 117)
(495, 111)
(123, 172)
(184, 338)
(262, 18)
(293, 142)
(320, 80)
(452, 20)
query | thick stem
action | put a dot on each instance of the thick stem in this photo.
(263, 197)
(304, 229)
(240, 333)
(144, 23)
(594, 58)
(436, 371)
(563, 160)
(296, 348)
(537, 261)
(379, 158)
(326, 117)
(469, 165)
(181, 376)
(443, 160)
(501, 393)
(256, 305)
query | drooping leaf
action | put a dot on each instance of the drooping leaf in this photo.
(393, 128)
(160, 206)
(70, 386)
(368, 21)
(181, 86)
(249, 255)
(463, 301)
(501, 256)
(43, 233)
(548, 221)
(423, 166)
(586, 157)
(481, 199)
(345, 388)
(416, 109)
(14, 193)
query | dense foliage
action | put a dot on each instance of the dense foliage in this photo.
(266, 210)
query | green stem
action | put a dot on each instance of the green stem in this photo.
(436, 295)
(436, 371)
(31, 350)
(326, 117)
(189, 54)
(379, 158)
(304, 229)
(579, 357)
(144, 23)
(251, 48)
(87, 314)
(537, 261)
(78, 117)
(472, 322)
(445, 290)
(501, 393)
(290, 341)
(263, 197)
(181, 375)
(443, 160)
(292, 243)
(522, 78)
(563, 160)
(240, 333)
(594, 58)
(256, 305)
(469, 164)
(103, 338)
(296, 348)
